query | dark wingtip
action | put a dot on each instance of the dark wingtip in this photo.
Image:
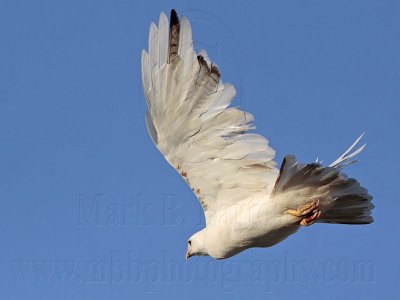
(174, 20)
(215, 70)
(280, 174)
(173, 43)
(201, 60)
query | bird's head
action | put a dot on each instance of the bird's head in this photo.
(197, 244)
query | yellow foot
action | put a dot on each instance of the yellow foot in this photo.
(311, 220)
(309, 213)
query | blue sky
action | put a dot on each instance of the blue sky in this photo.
(91, 210)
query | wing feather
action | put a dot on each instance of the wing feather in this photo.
(191, 123)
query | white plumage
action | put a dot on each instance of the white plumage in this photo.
(246, 200)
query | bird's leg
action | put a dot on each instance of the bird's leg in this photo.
(309, 213)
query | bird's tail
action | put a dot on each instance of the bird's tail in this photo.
(342, 199)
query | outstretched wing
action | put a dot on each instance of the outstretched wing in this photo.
(190, 122)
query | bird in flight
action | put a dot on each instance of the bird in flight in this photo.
(246, 200)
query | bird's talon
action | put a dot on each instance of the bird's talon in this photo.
(304, 210)
(309, 213)
(311, 220)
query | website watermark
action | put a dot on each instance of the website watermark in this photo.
(129, 268)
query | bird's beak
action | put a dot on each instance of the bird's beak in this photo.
(188, 254)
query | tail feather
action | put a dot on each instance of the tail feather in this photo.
(343, 160)
(342, 199)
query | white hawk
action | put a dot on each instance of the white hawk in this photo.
(247, 201)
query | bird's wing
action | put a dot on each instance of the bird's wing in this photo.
(190, 122)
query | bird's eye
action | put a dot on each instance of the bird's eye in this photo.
(190, 243)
